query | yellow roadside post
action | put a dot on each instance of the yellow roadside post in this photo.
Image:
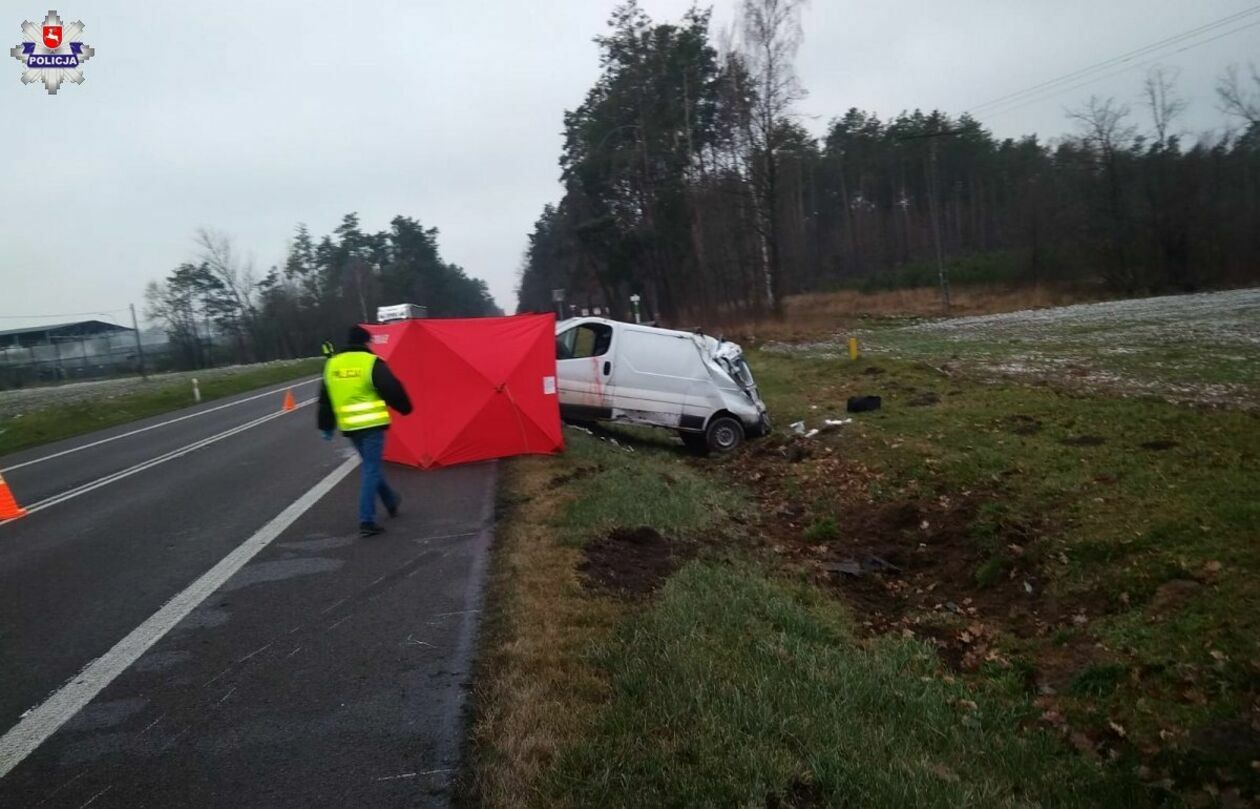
(853, 348)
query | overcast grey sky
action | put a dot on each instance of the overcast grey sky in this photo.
(250, 117)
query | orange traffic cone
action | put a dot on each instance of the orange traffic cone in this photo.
(289, 404)
(9, 509)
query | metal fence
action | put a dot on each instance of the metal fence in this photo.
(81, 358)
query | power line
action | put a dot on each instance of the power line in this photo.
(1076, 74)
(1022, 103)
(63, 314)
(1117, 60)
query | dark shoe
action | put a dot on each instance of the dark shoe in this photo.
(393, 510)
(370, 529)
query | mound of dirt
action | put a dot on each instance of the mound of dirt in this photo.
(1023, 425)
(630, 562)
(1084, 441)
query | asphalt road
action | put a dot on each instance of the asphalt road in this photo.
(147, 659)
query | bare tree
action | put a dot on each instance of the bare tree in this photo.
(1106, 134)
(236, 306)
(1160, 97)
(1103, 127)
(1236, 99)
(175, 304)
(771, 35)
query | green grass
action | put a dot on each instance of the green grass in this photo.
(736, 690)
(57, 422)
(1097, 681)
(824, 529)
(652, 484)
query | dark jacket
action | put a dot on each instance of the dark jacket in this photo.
(386, 384)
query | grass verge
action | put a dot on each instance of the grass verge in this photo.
(56, 422)
(987, 593)
(539, 689)
(740, 682)
(737, 690)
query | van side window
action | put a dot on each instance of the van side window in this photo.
(586, 340)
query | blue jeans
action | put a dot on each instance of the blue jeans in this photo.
(371, 446)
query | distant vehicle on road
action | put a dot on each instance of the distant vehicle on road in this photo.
(695, 384)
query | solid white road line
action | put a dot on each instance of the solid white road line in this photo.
(73, 450)
(114, 477)
(41, 722)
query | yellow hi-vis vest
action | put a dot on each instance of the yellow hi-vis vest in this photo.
(355, 402)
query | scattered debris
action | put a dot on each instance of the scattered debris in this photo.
(864, 404)
(869, 565)
(601, 436)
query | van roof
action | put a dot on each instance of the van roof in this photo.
(573, 321)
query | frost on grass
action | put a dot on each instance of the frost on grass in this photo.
(1203, 347)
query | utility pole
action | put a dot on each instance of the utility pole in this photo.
(139, 346)
(936, 226)
(932, 180)
(358, 279)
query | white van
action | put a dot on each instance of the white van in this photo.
(689, 382)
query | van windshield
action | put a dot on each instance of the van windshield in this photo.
(743, 374)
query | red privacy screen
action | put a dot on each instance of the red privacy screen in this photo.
(482, 388)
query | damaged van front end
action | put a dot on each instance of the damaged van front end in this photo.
(727, 358)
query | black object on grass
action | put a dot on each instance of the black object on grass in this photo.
(861, 404)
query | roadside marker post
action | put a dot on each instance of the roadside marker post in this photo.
(853, 348)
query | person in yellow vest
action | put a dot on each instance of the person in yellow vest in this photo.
(358, 392)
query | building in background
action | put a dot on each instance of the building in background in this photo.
(86, 349)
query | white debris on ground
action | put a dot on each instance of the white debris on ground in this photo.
(15, 402)
(1199, 348)
(602, 437)
(800, 428)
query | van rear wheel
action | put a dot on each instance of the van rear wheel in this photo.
(724, 434)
